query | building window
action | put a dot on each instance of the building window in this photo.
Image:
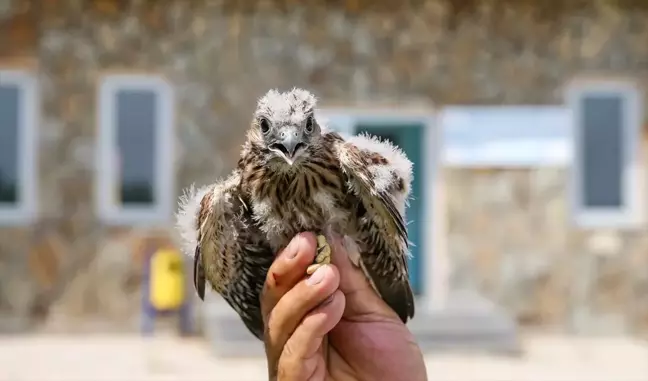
(135, 150)
(606, 181)
(18, 116)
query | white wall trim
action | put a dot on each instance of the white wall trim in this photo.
(505, 136)
(110, 211)
(25, 211)
(632, 214)
(434, 273)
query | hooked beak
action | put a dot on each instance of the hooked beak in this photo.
(289, 146)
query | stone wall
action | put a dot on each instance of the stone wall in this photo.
(512, 237)
(221, 58)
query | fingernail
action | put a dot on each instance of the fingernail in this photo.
(317, 276)
(293, 249)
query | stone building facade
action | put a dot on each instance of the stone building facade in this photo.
(507, 231)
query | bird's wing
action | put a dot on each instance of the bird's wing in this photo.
(379, 175)
(215, 227)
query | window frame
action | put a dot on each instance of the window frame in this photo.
(110, 210)
(23, 211)
(631, 214)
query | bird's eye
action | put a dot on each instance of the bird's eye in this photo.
(309, 124)
(265, 125)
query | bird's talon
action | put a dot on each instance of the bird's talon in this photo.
(312, 268)
(323, 256)
(323, 250)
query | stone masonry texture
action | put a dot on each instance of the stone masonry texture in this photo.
(509, 234)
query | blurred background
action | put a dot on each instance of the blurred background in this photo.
(524, 120)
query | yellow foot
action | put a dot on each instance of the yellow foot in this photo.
(323, 256)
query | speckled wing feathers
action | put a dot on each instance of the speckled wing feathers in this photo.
(379, 174)
(229, 253)
(199, 274)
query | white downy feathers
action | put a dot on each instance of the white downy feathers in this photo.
(398, 163)
(187, 217)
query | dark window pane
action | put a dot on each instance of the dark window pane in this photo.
(602, 151)
(9, 120)
(136, 131)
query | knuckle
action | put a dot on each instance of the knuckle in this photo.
(277, 325)
(282, 371)
(288, 352)
(291, 357)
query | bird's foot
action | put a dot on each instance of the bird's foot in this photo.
(323, 256)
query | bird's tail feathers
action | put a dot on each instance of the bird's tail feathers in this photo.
(187, 217)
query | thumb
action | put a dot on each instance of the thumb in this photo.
(361, 298)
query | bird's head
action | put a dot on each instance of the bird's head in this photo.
(285, 124)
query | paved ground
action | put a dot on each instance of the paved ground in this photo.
(94, 358)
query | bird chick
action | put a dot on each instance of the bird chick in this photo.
(294, 176)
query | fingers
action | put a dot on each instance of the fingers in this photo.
(361, 298)
(288, 269)
(352, 279)
(297, 303)
(299, 360)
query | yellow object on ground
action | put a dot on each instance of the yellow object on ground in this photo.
(167, 282)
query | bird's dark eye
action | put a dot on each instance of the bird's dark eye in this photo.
(309, 124)
(265, 125)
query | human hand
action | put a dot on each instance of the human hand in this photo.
(367, 340)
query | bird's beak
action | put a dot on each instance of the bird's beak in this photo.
(289, 145)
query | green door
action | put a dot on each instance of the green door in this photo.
(410, 139)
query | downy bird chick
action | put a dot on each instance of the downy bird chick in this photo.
(295, 176)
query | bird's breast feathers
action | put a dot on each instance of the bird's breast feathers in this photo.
(281, 219)
(312, 197)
